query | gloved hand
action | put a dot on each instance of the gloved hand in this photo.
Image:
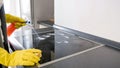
(21, 57)
(14, 19)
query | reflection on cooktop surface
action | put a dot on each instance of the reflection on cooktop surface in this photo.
(57, 44)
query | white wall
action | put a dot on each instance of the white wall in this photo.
(42, 10)
(97, 17)
(12, 7)
(25, 10)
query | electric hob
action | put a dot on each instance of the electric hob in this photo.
(63, 49)
(56, 44)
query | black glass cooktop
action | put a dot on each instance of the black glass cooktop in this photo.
(55, 43)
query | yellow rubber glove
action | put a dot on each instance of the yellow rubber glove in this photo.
(14, 19)
(20, 57)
